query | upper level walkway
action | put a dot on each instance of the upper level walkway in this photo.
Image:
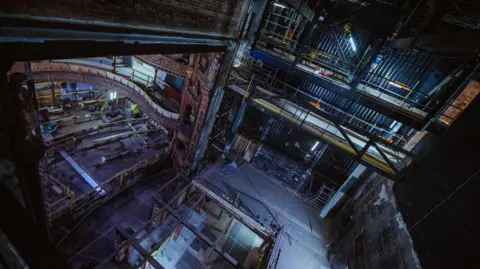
(387, 158)
(123, 81)
(400, 102)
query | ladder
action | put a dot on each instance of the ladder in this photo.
(321, 198)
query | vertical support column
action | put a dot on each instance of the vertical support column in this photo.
(52, 87)
(200, 206)
(163, 217)
(363, 69)
(214, 104)
(200, 118)
(337, 197)
(261, 23)
(241, 111)
(154, 82)
(177, 231)
(186, 84)
(33, 144)
(303, 43)
(21, 202)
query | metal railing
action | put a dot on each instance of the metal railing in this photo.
(373, 84)
(77, 206)
(449, 113)
(368, 149)
(286, 27)
(329, 61)
(402, 93)
(324, 106)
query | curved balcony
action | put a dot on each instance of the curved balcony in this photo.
(51, 72)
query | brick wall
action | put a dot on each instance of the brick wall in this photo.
(196, 93)
(213, 16)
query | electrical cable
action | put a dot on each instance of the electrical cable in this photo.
(426, 215)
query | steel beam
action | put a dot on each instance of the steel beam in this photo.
(239, 215)
(200, 235)
(387, 160)
(210, 251)
(346, 137)
(112, 228)
(139, 248)
(337, 197)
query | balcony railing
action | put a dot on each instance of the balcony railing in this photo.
(385, 156)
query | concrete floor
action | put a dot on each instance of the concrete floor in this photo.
(305, 237)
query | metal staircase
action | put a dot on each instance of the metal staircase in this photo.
(321, 198)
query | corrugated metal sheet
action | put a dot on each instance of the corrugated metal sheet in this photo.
(407, 67)
(279, 135)
(335, 41)
(359, 111)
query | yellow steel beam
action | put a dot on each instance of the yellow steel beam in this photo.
(327, 136)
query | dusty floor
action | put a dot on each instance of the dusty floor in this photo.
(303, 244)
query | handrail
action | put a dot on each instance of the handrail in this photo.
(342, 137)
(115, 79)
(323, 103)
(400, 101)
(114, 185)
(150, 82)
(404, 98)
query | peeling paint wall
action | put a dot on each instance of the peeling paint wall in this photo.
(439, 199)
(376, 237)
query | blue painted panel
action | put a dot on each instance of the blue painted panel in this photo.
(276, 63)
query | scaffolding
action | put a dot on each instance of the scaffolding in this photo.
(387, 158)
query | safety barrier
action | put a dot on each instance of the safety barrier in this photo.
(77, 206)
(368, 149)
(51, 72)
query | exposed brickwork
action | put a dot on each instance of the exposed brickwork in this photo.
(223, 17)
(164, 63)
(196, 93)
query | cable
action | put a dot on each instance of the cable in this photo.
(446, 198)
(427, 214)
(261, 197)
